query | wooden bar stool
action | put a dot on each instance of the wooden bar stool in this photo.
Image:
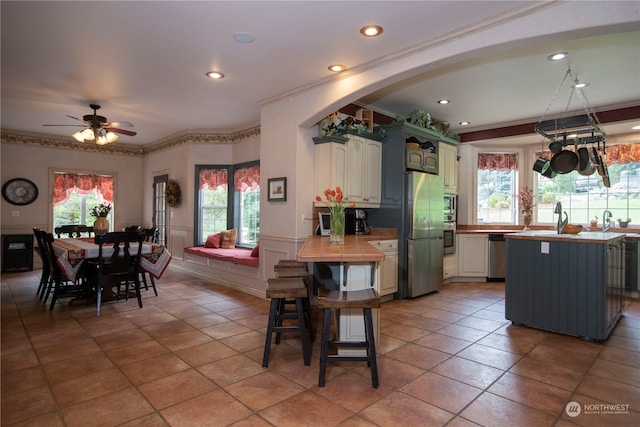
(292, 268)
(282, 291)
(365, 299)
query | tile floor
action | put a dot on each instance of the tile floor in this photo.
(192, 357)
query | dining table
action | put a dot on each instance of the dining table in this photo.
(71, 254)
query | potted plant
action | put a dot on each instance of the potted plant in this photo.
(101, 224)
(623, 223)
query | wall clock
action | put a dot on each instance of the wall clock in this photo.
(19, 191)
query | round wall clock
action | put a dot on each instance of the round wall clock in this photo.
(19, 191)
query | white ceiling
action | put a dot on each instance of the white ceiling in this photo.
(145, 63)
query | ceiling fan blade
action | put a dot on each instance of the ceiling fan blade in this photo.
(80, 126)
(75, 118)
(122, 131)
(119, 124)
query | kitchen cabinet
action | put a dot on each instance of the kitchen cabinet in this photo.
(448, 266)
(388, 270)
(353, 163)
(448, 166)
(472, 255)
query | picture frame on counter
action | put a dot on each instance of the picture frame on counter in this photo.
(277, 189)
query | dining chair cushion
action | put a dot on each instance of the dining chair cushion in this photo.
(228, 239)
(213, 241)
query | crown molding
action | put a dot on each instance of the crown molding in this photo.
(187, 137)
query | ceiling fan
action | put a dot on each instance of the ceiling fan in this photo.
(97, 128)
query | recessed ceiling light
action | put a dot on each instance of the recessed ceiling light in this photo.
(371, 30)
(557, 56)
(443, 101)
(636, 127)
(216, 75)
(337, 68)
(465, 123)
(244, 37)
(580, 85)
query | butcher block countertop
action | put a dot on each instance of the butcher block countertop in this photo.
(584, 237)
(355, 248)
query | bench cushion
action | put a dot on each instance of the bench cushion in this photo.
(237, 255)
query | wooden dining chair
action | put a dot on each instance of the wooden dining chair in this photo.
(132, 228)
(117, 267)
(46, 267)
(59, 285)
(73, 231)
(150, 236)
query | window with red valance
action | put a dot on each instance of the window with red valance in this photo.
(64, 184)
(498, 161)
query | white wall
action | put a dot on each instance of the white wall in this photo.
(37, 163)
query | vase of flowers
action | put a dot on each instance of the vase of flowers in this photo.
(101, 224)
(526, 206)
(336, 208)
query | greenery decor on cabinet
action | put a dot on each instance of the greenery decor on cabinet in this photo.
(423, 119)
(173, 193)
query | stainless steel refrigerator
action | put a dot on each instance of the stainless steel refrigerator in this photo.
(424, 220)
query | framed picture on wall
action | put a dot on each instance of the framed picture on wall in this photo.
(277, 189)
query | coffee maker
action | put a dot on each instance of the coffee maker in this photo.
(356, 221)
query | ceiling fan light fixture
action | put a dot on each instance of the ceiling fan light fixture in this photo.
(88, 134)
(78, 136)
(111, 137)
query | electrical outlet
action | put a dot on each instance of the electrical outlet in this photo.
(15, 213)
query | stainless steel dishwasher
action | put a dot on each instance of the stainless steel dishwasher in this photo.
(497, 258)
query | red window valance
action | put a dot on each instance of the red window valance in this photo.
(616, 154)
(213, 178)
(244, 178)
(497, 161)
(64, 184)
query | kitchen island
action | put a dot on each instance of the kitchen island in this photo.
(352, 266)
(572, 284)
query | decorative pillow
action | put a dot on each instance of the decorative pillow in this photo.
(255, 252)
(229, 239)
(213, 241)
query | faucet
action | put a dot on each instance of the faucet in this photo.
(606, 220)
(562, 223)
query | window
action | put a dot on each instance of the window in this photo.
(75, 194)
(496, 183)
(160, 207)
(222, 204)
(585, 197)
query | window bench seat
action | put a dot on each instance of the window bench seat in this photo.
(240, 256)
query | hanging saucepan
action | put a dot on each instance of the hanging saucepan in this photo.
(585, 167)
(555, 147)
(564, 161)
(543, 167)
(597, 160)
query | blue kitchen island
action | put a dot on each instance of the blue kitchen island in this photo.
(566, 283)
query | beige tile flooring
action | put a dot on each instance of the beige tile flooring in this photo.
(192, 357)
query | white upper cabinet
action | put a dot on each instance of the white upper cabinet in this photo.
(355, 166)
(448, 159)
